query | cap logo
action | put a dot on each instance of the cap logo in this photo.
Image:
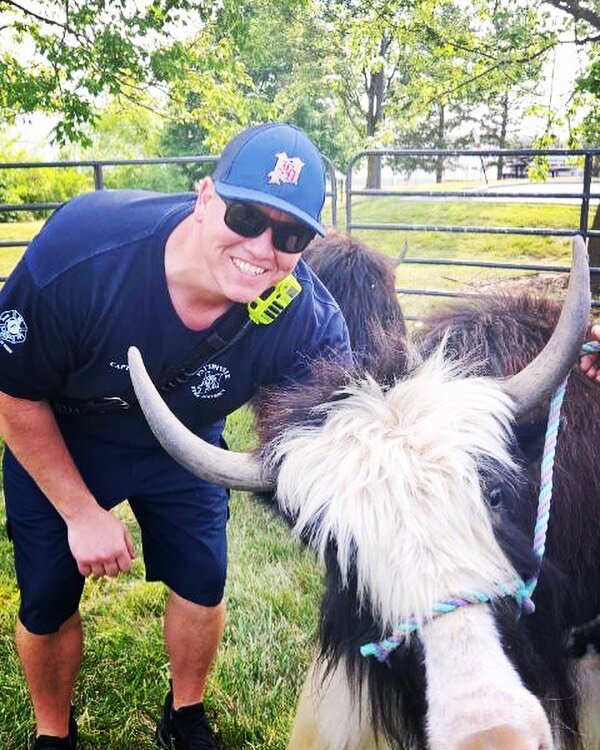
(287, 170)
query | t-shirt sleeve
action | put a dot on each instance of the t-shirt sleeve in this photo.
(35, 354)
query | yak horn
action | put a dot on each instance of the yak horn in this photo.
(238, 471)
(536, 382)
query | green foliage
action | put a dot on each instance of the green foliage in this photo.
(66, 57)
(128, 131)
(186, 139)
(191, 74)
(37, 184)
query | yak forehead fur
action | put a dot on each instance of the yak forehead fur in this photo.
(392, 479)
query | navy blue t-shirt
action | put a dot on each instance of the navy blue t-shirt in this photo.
(92, 283)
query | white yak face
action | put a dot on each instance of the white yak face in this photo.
(392, 478)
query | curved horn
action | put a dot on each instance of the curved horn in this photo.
(545, 373)
(239, 471)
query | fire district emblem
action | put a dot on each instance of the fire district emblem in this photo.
(212, 380)
(287, 170)
(13, 329)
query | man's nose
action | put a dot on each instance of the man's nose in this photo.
(261, 246)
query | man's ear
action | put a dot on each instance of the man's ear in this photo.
(206, 192)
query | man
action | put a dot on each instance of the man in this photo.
(590, 363)
(172, 275)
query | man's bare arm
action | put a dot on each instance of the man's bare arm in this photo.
(99, 542)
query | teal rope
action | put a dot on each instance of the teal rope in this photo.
(520, 591)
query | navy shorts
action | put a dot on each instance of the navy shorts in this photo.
(182, 519)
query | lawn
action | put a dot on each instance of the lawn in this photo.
(438, 246)
(273, 585)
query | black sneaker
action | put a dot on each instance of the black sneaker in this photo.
(46, 742)
(184, 729)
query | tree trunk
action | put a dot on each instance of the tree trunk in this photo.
(440, 143)
(594, 251)
(503, 131)
(373, 172)
(376, 94)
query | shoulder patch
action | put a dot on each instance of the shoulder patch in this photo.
(13, 329)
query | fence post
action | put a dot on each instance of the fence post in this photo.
(593, 242)
(349, 194)
(585, 198)
(98, 177)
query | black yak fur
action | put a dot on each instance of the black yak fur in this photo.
(363, 283)
(503, 334)
(494, 337)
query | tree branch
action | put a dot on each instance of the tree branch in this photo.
(575, 9)
(27, 12)
(489, 70)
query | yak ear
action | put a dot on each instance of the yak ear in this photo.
(536, 382)
(238, 471)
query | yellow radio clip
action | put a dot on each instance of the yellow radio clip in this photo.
(271, 303)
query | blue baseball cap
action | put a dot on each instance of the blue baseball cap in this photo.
(275, 165)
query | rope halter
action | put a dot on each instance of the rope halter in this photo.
(521, 591)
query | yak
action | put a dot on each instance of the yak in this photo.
(363, 283)
(411, 486)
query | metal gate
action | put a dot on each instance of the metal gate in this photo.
(581, 193)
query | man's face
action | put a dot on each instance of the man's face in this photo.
(240, 268)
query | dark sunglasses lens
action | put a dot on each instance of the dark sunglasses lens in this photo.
(245, 220)
(291, 238)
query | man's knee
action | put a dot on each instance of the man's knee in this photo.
(47, 605)
(197, 610)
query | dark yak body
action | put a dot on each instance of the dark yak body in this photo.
(492, 337)
(363, 283)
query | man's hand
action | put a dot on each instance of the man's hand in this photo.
(100, 543)
(590, 363)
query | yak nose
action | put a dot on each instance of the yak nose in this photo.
(503, 738)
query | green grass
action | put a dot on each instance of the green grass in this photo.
(22, 231)
(464, 246)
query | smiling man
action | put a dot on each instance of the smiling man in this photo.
(211, 289)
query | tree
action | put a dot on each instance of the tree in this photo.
(256, 61)
(130, 131)
(404, 68)
(588, 12)
(68, 55)
(520, 39)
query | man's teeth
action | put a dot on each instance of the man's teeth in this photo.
(248, 268)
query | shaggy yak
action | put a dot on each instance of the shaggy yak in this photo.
(412, 488)
(363, 282)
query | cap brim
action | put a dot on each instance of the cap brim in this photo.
(233, 192)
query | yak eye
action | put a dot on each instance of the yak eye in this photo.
(495, 497)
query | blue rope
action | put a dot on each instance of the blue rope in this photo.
(519, 590)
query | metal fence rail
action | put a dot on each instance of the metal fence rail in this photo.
(584, 196)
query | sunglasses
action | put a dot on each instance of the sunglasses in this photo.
(248, 221)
